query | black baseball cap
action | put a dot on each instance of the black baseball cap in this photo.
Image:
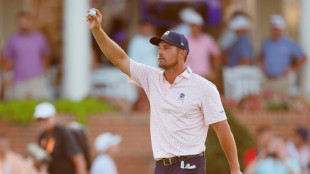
(173, 38)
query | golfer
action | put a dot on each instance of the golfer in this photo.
(183, 104)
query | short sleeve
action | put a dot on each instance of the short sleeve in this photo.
(245, 48)
(141, 75)
(70, 143)
(297, 52)
(212, 107)
(9, 50)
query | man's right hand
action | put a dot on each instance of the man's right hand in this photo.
(109, 48)
(94, 22)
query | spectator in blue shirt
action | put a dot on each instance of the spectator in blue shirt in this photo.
(139, 48)
(279, 57)
(240, 52)
(278, 161)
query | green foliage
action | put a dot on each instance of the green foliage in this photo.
(21, 111)
(17, 111)
(216, 160)
(276, 105)
(82, 109)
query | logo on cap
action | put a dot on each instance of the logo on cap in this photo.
(182, 43)
(166, 34)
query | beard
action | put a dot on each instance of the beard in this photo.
(166, 65)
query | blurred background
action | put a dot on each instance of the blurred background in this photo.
(255, 51)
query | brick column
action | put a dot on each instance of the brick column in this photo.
(77, 50)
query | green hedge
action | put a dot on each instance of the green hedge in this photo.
(216, 160)
(21, 111)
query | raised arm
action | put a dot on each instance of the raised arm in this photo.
(109, 48)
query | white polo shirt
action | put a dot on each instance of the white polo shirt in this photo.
(180, 112)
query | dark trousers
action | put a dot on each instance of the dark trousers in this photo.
(175, 168)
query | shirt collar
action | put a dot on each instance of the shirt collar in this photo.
(281, 38)
(187, 73)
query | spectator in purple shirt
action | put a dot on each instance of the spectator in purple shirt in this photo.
(27, 52)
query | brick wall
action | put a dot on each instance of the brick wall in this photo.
(283, 122)
(136, 154)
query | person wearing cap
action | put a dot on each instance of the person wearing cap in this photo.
(241, 51)
(185, 15)
(280, 56)
(107, 147)
(183, 104)
(228, 36)
(299, 148)
(59, 142)
(204, 57)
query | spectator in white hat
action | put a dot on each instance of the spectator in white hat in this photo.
(280, 57)
(204, 57)
(107, 146)
(277, 21)
(241, 51)
(186, 16)
(59, 142)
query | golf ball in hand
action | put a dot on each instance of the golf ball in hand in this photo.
(92, 12)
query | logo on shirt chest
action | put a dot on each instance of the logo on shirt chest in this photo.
(182, 96)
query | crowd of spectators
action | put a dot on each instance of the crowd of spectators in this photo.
(60, 149)
(64, 149)
(25, 60)
(275, 154)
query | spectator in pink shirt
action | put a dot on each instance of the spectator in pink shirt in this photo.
(28, 54)
(204, 58)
